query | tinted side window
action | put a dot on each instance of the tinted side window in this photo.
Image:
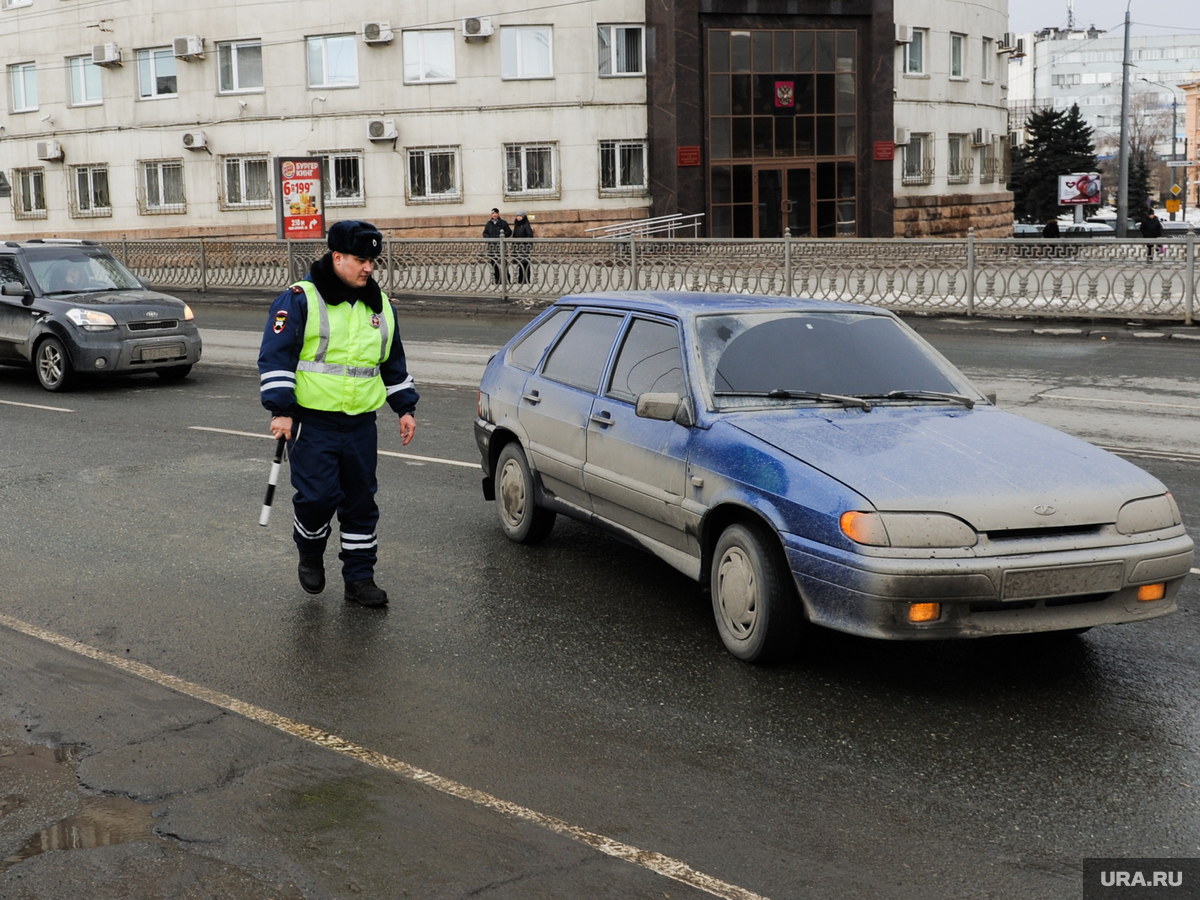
(578, 359)
(649, 361)
(527, 354)
(10, 270)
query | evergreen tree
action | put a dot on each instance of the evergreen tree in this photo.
(1139, 186)
(1060, 143)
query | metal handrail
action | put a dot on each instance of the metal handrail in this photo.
(667, 225)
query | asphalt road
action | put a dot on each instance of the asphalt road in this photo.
(550, 722)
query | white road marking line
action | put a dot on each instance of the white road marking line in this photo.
(267, 437)
(36, 406)
(1125, 402)
(1196, 571)
(1152, 454)
(655, 862)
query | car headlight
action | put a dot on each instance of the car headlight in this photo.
(913, 530)
(1148, 514)
(91, 320)
(188, 315)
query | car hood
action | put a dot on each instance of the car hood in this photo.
(140, 297)
(993, 469)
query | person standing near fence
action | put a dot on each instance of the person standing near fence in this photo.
(1152, 228)
(494, 229)
(522, 229)
(330, 357)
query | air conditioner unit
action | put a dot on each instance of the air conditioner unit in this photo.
(195, 140)
(1019, 50)
(477, 27)
(106, 55)
(189, 46)
(901, 134)
(904, 34)
(1008, 42)
(51, 150)
(981, 137)
(382, 129)
(377, 33)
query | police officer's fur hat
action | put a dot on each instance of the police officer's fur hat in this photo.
(356, 238)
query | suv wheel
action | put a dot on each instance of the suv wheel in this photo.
(53, 366)
(173, 373)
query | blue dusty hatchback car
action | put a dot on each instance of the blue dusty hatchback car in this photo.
(817, 463)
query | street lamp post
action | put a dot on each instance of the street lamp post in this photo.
(1174, 122)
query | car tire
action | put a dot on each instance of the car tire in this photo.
(174, 373)
(754, 599)
(53, 365)
(521, 518)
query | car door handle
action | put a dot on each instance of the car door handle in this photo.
(532, 397)
(603, 418)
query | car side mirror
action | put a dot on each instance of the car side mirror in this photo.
(16, 289)
(665, 407)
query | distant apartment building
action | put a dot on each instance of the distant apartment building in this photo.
(161, 119)
(1061, 68)
(951, 118)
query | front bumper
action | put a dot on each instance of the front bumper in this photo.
(115, 351)
(871, 596)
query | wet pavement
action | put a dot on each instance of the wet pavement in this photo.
(581, 681)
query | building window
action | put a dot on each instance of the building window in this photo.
(918, 166)
(23, 78)
(987, 164)
(985, 65)
(526, 52)
(621, 50)
(958, 52)
(341, 174)
(13, 4)
(247, 182)
(622, 168)
(530, 171)
(29, 198)
(91, 199)
(332, 61)
(959, 164)
(433, 175)
(240, 67)
(428, 56)
(156, 73)
(160, 188)
(914, 52)
(85, 81)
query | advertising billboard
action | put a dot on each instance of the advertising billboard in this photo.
(1080, 189)
(299, 198)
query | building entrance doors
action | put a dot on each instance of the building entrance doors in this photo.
(784, 199)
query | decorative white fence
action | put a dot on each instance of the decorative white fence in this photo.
(1098, 277)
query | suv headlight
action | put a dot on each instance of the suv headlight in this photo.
(913, 530)
(91, 320)
(188, 315)
(1148, 514)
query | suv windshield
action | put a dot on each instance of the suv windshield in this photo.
(746, 356)
(76, 270)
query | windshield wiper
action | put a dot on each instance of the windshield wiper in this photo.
(780, 394)
(927, 395)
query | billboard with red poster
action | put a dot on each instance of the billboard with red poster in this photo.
(1082, 188)
(299, 198)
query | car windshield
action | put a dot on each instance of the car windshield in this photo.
(788, 354)
(78, 271)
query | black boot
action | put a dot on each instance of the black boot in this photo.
(312, 574)
(365, 593)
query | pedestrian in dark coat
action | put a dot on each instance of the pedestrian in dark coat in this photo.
(522, 229)
(1152, 228)
(1051, 229)
(494, 229)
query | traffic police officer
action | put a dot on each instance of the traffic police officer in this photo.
(331, 355)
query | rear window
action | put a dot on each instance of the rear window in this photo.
(836, 353)
(528, 353)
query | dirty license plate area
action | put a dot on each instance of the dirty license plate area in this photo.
(1061, 581)
(168, 351)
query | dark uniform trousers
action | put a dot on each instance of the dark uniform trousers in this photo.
(333, 470)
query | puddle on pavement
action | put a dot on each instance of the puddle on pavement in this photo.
(103, 821)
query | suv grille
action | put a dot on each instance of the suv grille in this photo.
(154, 326)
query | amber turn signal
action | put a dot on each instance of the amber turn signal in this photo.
(1148, 592)
(924, 612)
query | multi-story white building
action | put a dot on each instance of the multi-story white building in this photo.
(147, 118)
(951, 118)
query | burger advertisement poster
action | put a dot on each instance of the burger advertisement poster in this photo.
(299, 203)
(1080, 189)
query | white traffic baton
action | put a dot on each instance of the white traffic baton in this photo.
(265, 516)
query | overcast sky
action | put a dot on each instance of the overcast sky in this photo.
(1149, 17)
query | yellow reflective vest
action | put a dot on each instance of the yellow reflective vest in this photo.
(344, 344)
